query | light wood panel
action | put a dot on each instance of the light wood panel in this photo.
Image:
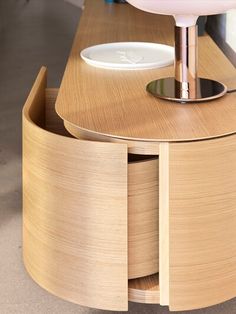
(164, 226)
(143, 237)
(202, 204)
(115, 103)
(145, 290)
(143, 195)
(75, 212)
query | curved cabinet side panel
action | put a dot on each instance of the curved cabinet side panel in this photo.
(202, 223)
(75, 215)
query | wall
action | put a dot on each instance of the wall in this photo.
(222, 28)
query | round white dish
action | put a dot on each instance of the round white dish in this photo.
(129, 55)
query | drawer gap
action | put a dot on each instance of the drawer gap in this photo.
(145, 290)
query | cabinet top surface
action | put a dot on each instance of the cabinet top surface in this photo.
(115, 103)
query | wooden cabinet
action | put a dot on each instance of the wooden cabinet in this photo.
(126, 197)
(75, 211)
(202, 220)
(93, 216)
(90, 219)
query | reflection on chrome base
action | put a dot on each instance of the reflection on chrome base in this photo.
(186, 87)
(171, 89)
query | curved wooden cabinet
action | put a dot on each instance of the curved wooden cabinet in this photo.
(94, 232)
(75, 212)
(202, 222)
(78, 243)
(90, 218)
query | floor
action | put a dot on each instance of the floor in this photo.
(34, 33)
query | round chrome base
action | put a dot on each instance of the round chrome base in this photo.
(170, 89)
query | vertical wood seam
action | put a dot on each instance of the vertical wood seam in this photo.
(164, 224)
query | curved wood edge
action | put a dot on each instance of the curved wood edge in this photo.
(34, 108)
(74, 197)
(145, 290)
(143, 183)
(134, 147)
(116, 104)
(53, 123)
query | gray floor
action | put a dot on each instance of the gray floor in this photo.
(34, 33)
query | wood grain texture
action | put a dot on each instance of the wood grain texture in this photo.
(75, 212)
(143, 237)
(164, 226)
(202, 204)
(134, 147)
(115, 103)
(143, 194)
(143, 205)
(53, 122)
(145, 290)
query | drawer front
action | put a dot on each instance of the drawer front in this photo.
(74, 211)
(200, 209)
(143, 201)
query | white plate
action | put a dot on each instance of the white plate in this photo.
(129, 55)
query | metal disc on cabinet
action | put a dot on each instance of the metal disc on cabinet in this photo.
(171, 89)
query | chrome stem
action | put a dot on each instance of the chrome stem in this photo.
(186, 87)
(186, 56)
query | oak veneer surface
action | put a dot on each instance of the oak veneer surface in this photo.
(145, 290)
(75, 212)
(143, 237)
(143, 178)
(164, 232)
(202, 209)
(53, 123)
(115, 103)
(134, 147)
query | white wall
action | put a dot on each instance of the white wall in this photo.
(231, 29)
(222, 28)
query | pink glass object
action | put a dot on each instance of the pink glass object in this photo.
(185, 12)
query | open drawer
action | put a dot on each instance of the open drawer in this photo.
(90, 217)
